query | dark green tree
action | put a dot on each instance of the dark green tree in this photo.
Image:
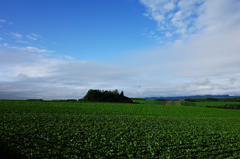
(106, 96)
(121, 94)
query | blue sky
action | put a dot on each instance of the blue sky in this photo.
(61, 49)
(85, 30)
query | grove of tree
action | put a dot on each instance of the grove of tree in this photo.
(106, 96)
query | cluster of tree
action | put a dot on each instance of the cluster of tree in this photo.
(226, 106)
(64, 100)
(106, 96)
(213, 99)
(160, 99)
(34, 99)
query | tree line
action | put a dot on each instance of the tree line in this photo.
(226, 106)
(106, 96)
(213, 99)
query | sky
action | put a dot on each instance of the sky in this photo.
(60, 49)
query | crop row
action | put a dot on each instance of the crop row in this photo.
(187, 103)
(146, 109)
(49, 135)
(38, 129)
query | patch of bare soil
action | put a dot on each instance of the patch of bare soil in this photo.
(177, 103)
(168, 102)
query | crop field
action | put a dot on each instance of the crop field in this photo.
(186, 103)
(35, 129)
(151, 102)
(168, 103)
(213, 103)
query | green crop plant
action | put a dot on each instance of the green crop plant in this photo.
(38, 129)
(151, 102)
(187, 103)
(213, 103)
(172, 102)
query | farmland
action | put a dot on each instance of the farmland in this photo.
(39, 129)
(213, 103)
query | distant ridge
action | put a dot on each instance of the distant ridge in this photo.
(196, 96)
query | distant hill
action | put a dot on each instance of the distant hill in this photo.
(196, 96)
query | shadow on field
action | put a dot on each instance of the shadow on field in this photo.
(7, 153)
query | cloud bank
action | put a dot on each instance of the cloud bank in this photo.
(202, 58)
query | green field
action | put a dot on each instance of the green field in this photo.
(214, 103)
(151, 102)
(38, 129)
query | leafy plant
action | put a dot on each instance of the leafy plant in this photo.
(37, 129)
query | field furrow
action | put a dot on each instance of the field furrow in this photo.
(116, 130)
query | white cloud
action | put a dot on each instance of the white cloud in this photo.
(1, 38)
(207, 62)
(68, 57)
(169, 6)
(27, 49)
(145, 14)
(41, 73)
(16, 35)
(35, 35)
(34, 49)
(215, 15)
(168, 34)
(200, 81)
(187, 17)
(31, 37)
(157, 72)
(2, 21)
(151, 32)
(158, 18)
(21, 41)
